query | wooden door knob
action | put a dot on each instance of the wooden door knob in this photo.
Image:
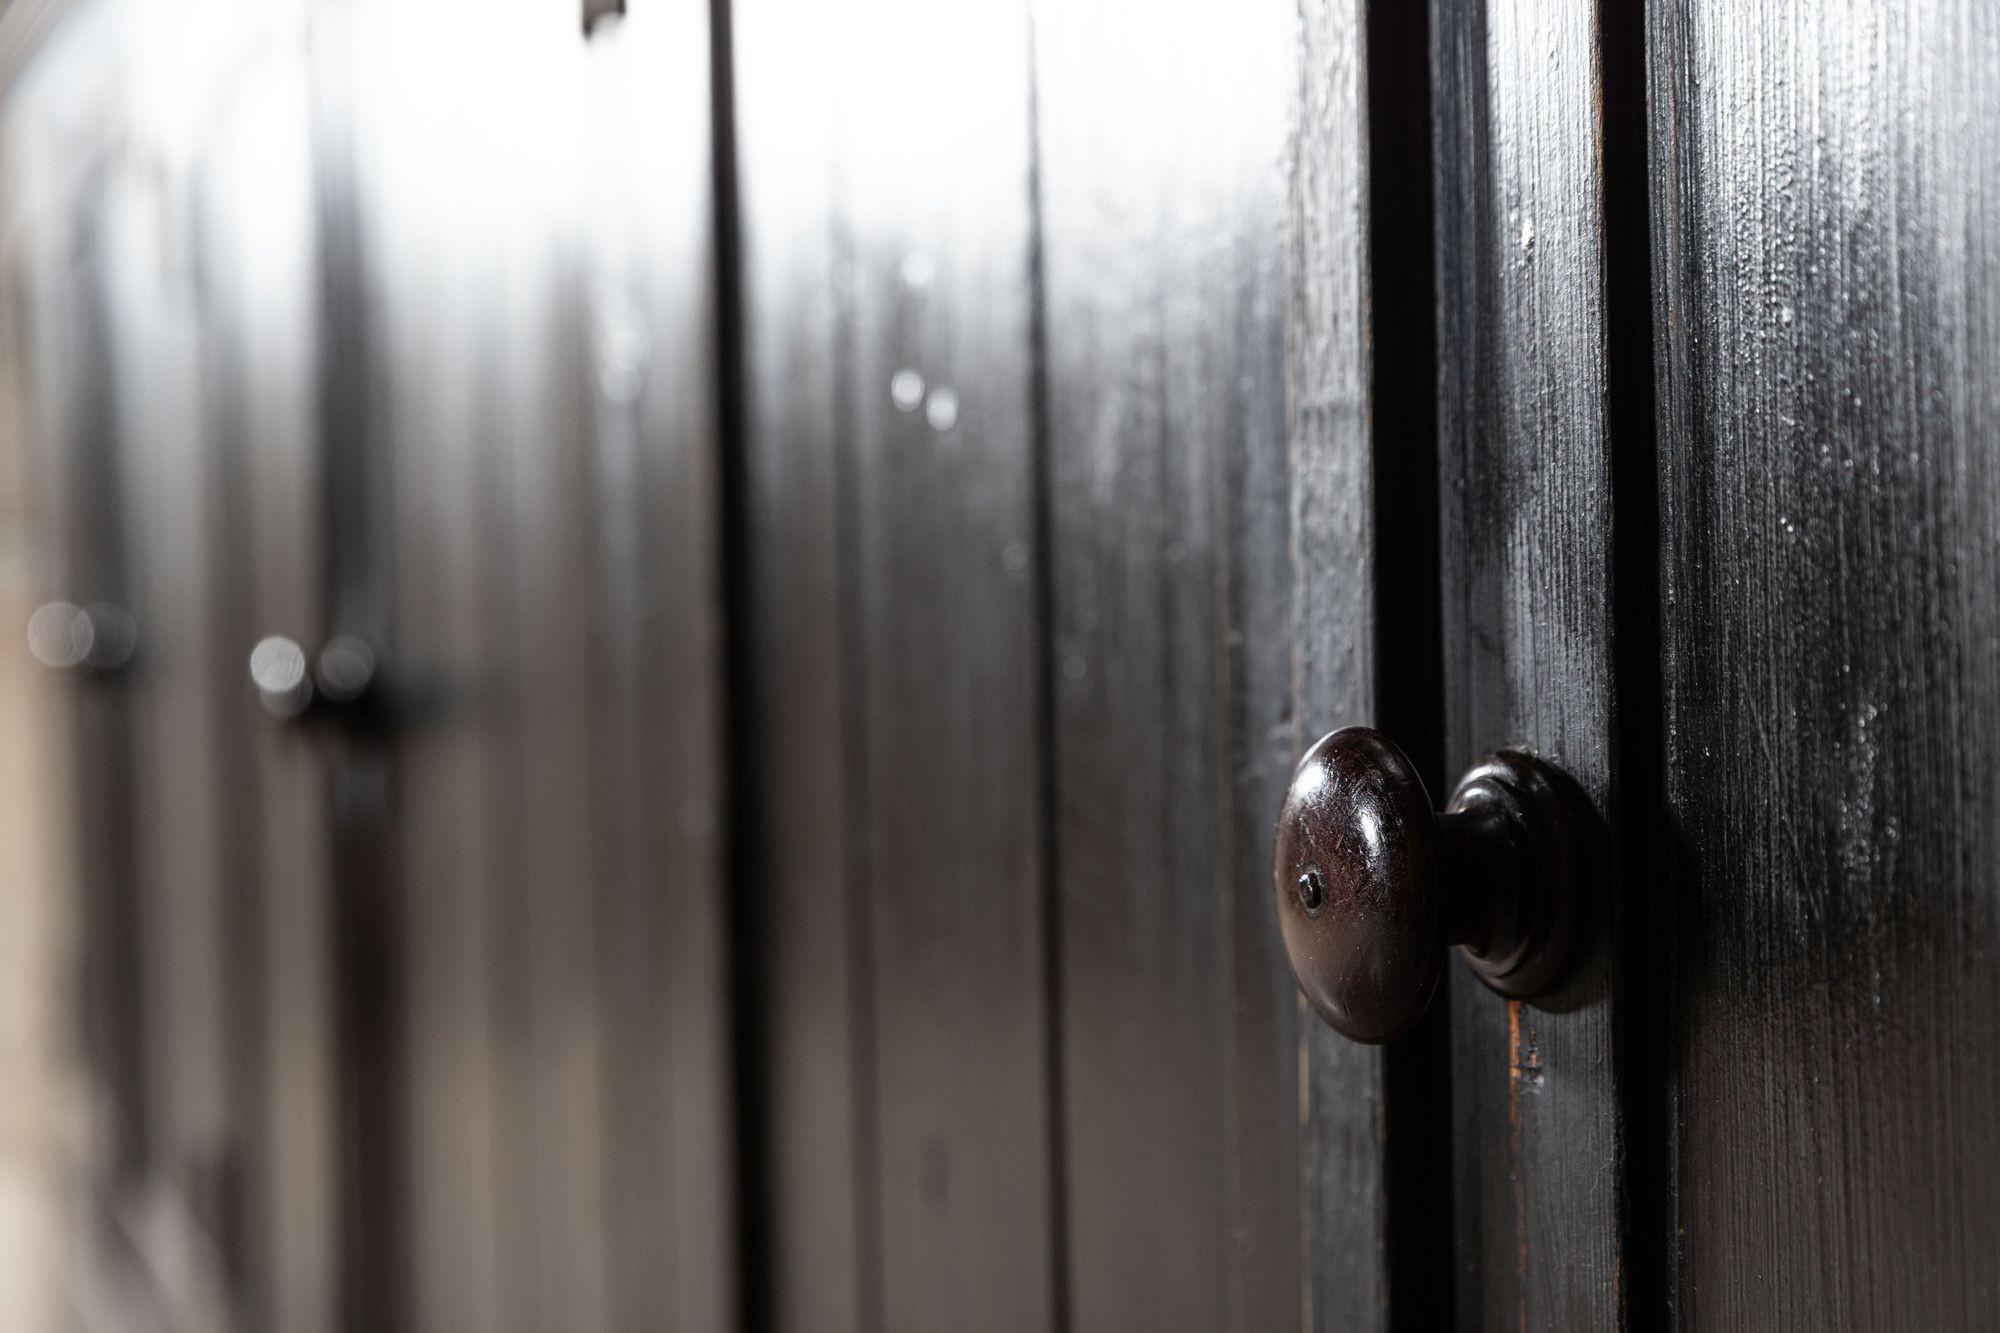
(1372, 885)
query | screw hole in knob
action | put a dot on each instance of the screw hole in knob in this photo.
(1373, 885)
(1312, 891)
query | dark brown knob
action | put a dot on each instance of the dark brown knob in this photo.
(1372, 885)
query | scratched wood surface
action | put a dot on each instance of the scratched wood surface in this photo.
(1825, 231)
(1374, 1210)
(1527, 468)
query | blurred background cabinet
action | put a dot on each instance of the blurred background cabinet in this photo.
(402, 973)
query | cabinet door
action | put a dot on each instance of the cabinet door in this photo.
(1827, 259)
(1732, 562)
(1076, 444)
(166, 369)
(405, 1009)
(1545, 487)
(519, 416)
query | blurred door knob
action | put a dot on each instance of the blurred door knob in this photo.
(291, 684)
(82, 639)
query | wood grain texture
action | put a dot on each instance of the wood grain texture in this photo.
(1162, 144)
(1341, 1109)
(931, 919)
(1825, 233)
(950, 634)
(1527, 456)
(1364, 614)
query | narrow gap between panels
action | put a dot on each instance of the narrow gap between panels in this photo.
(1045, 705)
(1644, 912)
(1408, 612)
(747, 868)
(365, 920)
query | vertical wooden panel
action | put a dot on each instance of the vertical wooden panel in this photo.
(265, 259)
(1162, 133)
(56, 155)
(807, 899)
(1527, 450)
(932, 406)
(948, 631)
(170, 514)
(652, 291)
(466, 1146)
(1364, 613)
(545, 277)
(367, 920)
(259, 255)
(253, 256)
(1340, 1099)
(1825, 227)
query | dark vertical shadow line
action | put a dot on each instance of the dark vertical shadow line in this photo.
(1045, 697)
(1645, 921)
(355, 505)
(748, 869)
(1408, 607)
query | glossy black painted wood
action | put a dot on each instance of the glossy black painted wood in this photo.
(1249, 549)
(1825, 232)
(1529, 439)
(428, 1016)
(1163, 259)
(893, 487)
(1336, 675)
(1363, 499)
(1087, 471)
